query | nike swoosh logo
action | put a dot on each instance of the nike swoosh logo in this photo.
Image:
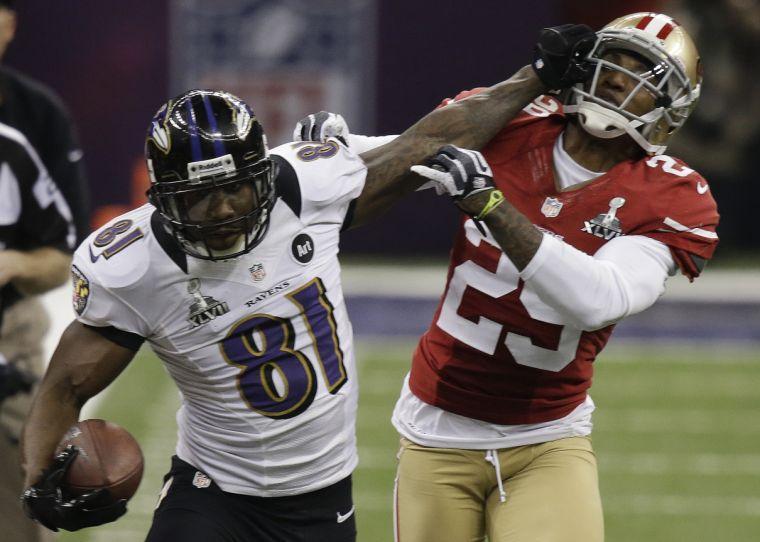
(702, 188)
(93, 258)
(344, 517)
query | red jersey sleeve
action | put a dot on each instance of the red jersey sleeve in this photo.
(686, 215)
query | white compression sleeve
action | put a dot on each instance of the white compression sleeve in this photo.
(624, 277)
(361, 143)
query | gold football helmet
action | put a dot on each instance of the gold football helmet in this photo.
(673, 77)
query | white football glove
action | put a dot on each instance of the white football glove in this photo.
(320, 127)
(457, 172)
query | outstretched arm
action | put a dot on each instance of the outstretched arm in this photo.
(560, 61)
(469, 123)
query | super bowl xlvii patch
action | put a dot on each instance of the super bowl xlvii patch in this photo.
(81, 290)
(551, 207)
(204, 307)
(606, 225)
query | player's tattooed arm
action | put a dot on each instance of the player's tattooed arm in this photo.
(515, 234)
(469, 123)
(466, 176)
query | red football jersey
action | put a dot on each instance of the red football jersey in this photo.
(495, 351)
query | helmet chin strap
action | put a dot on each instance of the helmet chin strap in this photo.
(605, 123)
(600, 121)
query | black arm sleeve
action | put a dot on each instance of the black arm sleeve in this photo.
(123, 338)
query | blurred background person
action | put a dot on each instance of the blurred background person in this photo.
(38, 112)
(36, 237)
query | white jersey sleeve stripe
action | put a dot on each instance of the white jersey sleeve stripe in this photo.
(696, 231)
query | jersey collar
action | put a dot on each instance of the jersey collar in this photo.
(167, 241)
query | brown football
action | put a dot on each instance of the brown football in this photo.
(109, 457)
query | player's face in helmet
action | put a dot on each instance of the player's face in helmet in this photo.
(225, 205)
(621, 89)
(212, 179)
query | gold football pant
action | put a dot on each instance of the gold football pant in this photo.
(549, 493)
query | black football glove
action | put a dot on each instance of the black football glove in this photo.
(321, 126)
(13, 380)
(560, 57)
(47, 502)
(457, 172)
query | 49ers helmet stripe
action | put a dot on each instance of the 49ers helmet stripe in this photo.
(666, 30)
(657, 24)
(644, 22)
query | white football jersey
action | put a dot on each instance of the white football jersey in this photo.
(260, 346)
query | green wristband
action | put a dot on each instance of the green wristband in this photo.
(496, 199)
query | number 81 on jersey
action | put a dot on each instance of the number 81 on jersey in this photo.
(277, 380)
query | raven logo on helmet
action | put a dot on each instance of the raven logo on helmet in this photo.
(160, 136)
(243, 119)
(158, 132)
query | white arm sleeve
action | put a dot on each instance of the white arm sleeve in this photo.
(360, 143)
(625, 276)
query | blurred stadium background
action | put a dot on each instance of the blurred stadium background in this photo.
(677, 427)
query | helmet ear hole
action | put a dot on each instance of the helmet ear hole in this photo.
(663, 101)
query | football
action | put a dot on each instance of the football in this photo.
(109, 457)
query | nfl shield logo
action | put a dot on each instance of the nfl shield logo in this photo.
(257, 272)
(551, 207)
(201, 481)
